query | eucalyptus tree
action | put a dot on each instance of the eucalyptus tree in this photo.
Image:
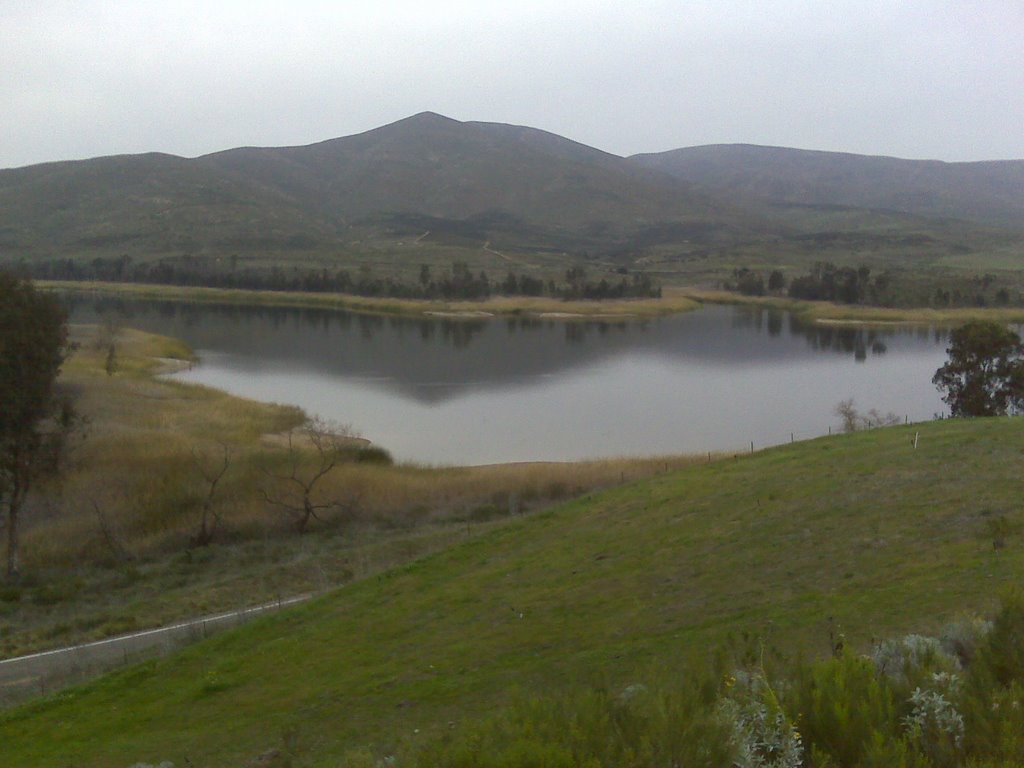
(34, 419)
(984, 375)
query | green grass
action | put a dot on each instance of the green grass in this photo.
(862, 529)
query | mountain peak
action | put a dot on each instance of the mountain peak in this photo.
(428, 118)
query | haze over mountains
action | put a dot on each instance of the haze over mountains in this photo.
(468, 184)
(991, 192)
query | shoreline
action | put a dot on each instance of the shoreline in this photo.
(828, 313)
(499, 306)
(675, 300)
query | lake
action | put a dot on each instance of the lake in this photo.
(480, 391)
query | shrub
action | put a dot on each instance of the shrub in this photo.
(762, 734)
(961, 639)
(993, 702)
(845, 709)
(904, 660)
(934, 725)
(637, 727)
(1001, 655)
(10, 593)
(373, 454)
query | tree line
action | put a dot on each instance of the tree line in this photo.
(826, 281)
(457, 282)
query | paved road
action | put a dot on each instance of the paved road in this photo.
(23, 677)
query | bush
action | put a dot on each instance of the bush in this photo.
(372, 454)
(845, 707)
(993, 703)
(637, 727)
(908, 705)
(903, 661)
(1000, 660)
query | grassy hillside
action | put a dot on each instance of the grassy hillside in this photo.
(988, 192)
(863, 530)
(431, 191)
(455, 184)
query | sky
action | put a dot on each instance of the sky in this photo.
(931, 79)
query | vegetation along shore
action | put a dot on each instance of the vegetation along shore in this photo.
(672, 300)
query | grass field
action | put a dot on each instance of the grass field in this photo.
(862, 532)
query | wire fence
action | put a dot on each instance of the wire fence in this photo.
(858, 424)
(42, 673)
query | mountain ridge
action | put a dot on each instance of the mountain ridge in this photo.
(987, 191)
(474, 183)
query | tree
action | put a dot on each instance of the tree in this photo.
(984, 375)
(297, 492)
(213, 473)
(748, 282)
(34, 420)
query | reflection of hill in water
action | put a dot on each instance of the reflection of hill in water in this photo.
(432, 359)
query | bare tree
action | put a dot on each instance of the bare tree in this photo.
(210, 520)
(326, 445)
(110, 537)
(849, 414)
(854, 420)
(106, 340)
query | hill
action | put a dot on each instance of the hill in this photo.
(429, 190)
(983, 192)
(459, 181)
(606, 587)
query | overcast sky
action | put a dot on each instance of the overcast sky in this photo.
(913, 78)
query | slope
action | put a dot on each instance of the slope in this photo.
(862, 528)
(982, 192)
(488, 181)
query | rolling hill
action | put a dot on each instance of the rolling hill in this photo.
(612, 587)
(479, 180)
(476, 191)
(984, 192)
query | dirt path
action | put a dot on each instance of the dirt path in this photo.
(509, 259)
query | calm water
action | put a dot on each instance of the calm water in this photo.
(481, 391)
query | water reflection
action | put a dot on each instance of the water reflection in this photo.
(848, 339)
(522, 388)
(491, 352)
